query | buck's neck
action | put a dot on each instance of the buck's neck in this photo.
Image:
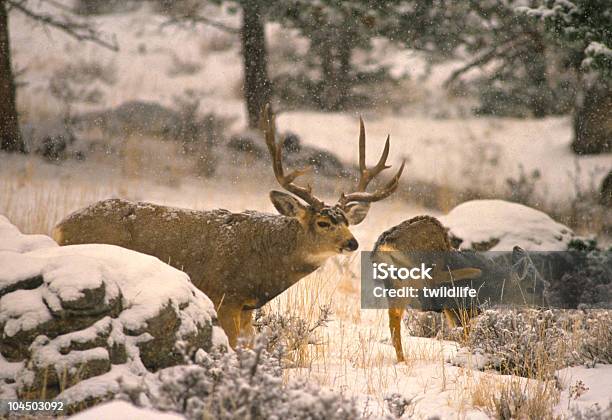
(289, 255)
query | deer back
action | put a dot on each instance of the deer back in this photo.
(229, 256)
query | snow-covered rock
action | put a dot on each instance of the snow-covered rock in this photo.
(498, 225)
(13, 240)
(76, 313)
(124, 410)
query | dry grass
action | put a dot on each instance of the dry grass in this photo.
(35, 206)
(514, 397)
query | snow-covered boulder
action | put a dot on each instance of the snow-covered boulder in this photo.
(13, 240)
(124, 410)
(498, 225)
(80, 316)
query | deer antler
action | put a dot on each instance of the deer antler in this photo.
(286, 181)
(367, 175)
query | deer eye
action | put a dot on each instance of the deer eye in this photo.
(323, 224)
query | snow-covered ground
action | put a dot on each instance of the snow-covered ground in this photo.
(354, 354)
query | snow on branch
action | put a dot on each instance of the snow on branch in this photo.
(195, 19)
(495, 52)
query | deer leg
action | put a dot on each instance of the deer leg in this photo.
(395, 327)
(451, 317)
(246, 326)
(229, 319)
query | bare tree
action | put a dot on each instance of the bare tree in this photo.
(61, 18)
(10, 138)
(257, 85)
(257, 88)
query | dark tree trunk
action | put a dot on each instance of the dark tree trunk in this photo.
(10, 138)
(605, 192)
(335, 54)
(327, 93)
(257, 87)
(539, 102)
(344, 79)
(593, 118)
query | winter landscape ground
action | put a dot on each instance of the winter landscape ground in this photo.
(329, 341)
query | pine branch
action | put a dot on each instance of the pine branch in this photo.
(81, 31)
(193, 19)
(495, 52)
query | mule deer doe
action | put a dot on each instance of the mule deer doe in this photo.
(240, 260)
(502, 278)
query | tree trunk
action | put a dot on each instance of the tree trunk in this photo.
(344, 77)
(327, 93)
(593, 118)
(539, 102)
(257, 87)
(10, 138)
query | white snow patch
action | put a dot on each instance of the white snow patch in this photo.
(13, 240)
(598, 380)
(219, 339)
(123, 410)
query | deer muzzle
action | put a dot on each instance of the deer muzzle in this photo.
(351, 245)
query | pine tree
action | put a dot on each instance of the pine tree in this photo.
(584, 28)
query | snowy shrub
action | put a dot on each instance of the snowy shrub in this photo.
(589, 284)
(526, 343)
(535, 343)
(520, 401)
(246, 384)
(522, 188)
(423, 323)
(399, 405)
(288, 333)
(430, 324)
(592, 413)
(198, 134)
(82, 82)
(593, 331)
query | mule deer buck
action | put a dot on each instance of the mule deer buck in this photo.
(240, 260)
(500, 279)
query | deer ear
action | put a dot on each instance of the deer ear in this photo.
(356, 212)
(287, 205)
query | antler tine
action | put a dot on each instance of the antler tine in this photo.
(367, 175)
(362, 146)
(366, 197)
(286, 181)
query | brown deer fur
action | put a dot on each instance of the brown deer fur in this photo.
(421, 233)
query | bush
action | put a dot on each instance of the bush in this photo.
(520, 343)
(536, 343)
(592, 413)
(247, 384)
(589, 285)
(289, 334)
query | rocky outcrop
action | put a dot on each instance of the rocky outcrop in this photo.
(71, 315)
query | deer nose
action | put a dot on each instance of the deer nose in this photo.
(352, 244)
